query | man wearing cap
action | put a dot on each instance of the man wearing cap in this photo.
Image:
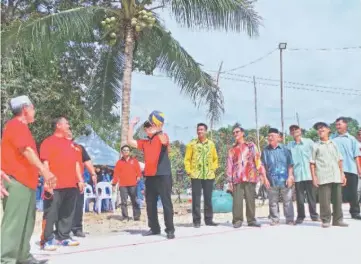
(20, 161)
(301, 149)
(200, 163)
(157, 173)
(278, 177)
(243, 170)
(60, 155)
(327, 175)
(350, 151)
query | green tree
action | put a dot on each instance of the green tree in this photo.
(129, 29)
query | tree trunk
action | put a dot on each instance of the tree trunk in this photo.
(127, 83)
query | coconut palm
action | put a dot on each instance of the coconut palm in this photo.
(132, 36)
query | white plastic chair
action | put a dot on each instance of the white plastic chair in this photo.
(104, 191)
(88, 194)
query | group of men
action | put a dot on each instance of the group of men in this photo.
(329, 165)
(61, 163)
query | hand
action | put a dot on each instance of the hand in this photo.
(290, 181)
(163, 139)
(3, 191)
(81, 186)
(48, 189)
(135, 121)
(343, 179)
(266, 183)
(230, 187)
(94, 179)
(315, 182)
(138, 179)
(49, 179)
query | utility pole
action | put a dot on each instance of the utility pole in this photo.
(281, 47)
(255, 109)
(217, 82)
(298, 119)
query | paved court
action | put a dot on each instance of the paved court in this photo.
(307, 243)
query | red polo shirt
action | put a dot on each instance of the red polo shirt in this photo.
(126, 172)
(16, 137)
(62, 156)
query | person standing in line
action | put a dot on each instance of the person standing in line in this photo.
(301, 150)
(84, 161)
(126, 174)
(328, 176)
(158, 175)
(359, 162)
(20, 167)
(350, 151)
(201, 162)
(243, 170)
(58, 154)
(278, 177)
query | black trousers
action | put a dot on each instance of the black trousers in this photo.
(130, 191)
(349, 193)
(306, 188)
(78, 214)
(59, 210)
(197, 187)
(159, 186)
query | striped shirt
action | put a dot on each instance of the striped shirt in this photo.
(326, 156)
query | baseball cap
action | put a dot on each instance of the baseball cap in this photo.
(320, 124)
(292, 127)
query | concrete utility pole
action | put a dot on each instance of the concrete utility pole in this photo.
(255, 109)
(281, 47)
(217, 82)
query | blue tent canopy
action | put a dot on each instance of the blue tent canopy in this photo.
(99, 152)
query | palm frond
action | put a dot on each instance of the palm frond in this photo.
(172, 59)
(45, 35)
(104, 89)
(234, 15)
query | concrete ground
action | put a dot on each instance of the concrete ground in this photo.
(306, 243)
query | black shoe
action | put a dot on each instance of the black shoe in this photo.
(237, 225)
(196, 225)
(316, 219)
(170, 235)
(137, 219)
(33, 260)
(356, 217)
(211, 224)
(340, 224)
(299, 221)
(254, 224)
(151, 233)
(79, 233)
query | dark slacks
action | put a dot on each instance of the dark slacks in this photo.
(197, 187)
(155, 186)
(349, 193)
(306, 188)
(244, 190)
(330, 193)
(130, 191)
(78, 214)
(59, 210)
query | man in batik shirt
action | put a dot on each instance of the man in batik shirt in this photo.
(243, 168)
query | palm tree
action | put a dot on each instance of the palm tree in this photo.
(128, 30)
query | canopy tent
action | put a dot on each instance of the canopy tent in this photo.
(99, 152)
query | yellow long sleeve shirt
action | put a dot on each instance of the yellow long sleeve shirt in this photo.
(201, 159)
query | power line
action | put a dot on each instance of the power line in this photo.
(295, 83)
(290, 87)
(325, 49)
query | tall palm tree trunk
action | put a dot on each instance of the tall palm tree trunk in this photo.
(127, 83)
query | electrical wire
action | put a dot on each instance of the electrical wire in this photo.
(325, 49)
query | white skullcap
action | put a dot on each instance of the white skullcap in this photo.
(19, 102)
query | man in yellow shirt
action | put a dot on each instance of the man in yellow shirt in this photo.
(200, 163)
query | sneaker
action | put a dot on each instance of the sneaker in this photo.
(49, 246)
(325, 225)
(68, 243)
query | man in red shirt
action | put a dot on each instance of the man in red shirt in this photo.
(20, 161)
(158, 175)
(60, 155)
(126, 174)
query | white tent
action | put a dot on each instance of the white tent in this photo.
(99, 152)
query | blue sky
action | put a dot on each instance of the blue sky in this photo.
(302, 24)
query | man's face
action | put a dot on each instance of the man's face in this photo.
(273, 138)
(29, 113)
(359, 135)
(323, 131)
(63, 126)
(126, 152)
(296, 132)
(341, 126)
(201, 131)
(238, 133)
